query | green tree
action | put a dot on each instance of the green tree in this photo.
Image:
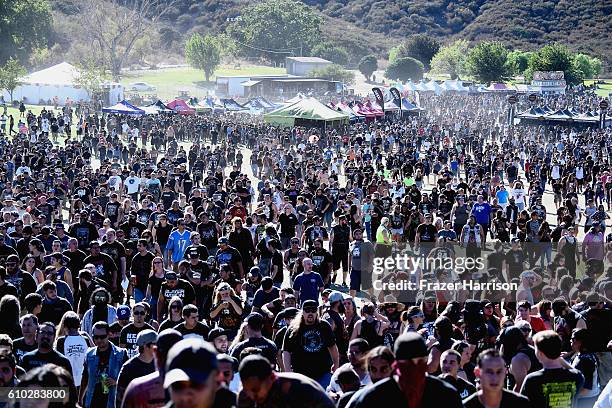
(204, 52)
(10, 74)
(334, 72)
(275, 29)
(420, 47)
(589, 67)
(518, 61)
(24, 25)
(331, 52)
(367, 65)
(404, 69)
(451, 59)
(555, 57)
(91, 76)
(487, 62)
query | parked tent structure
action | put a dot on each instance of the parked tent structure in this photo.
(155, 108)
(306, 112)
(231, 105)
(180, 106)
(124, 108)
(60, 80)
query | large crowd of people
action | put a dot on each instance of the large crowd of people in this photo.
(220, 261)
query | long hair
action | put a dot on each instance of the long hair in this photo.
(70, 320)
(297, 323)
(217, 295)
(10, 310)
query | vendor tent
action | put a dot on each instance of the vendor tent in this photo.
(155, 108)
(232, 105)
(124, 108)
(306, 112)
(434, 87)
(259, 103)
(60, 81)
(180, 106)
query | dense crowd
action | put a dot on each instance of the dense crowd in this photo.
(219, 261)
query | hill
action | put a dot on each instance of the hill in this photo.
(365, 26)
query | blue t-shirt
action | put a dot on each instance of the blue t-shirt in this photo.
(482, 212)
(178, 243)
(502, 196)
(308, 285)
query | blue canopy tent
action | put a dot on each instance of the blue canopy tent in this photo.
(124, 108)
(211, 104)
(156, 108)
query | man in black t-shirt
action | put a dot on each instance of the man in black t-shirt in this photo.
(27, 343)
(106, 269)
(174, 286)
(449, 364)
(129, 334)
(310, 348)
(45, 353)
(491, 372)
(554, 385)
(137, 366)
(192, 327)
(140, 269)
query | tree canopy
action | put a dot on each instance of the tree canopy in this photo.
(367, 65)
(204, 52)
(420, 47)
(555, 57)
(451, 59)
(487, 62)
(286, 27)
(331, 52)
(25, 25)
(404, 69)
(10, 73)
(334, 72)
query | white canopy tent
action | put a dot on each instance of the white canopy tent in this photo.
(59, 81)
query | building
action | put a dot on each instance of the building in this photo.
(59, 81)
(277, 87)
(304, 65)
(548, 82)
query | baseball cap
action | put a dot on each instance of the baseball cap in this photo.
(309, 303)
(194, 253)
(60, 226)
(288, 313)
(336, 297)
(170, 275)
(145, 337)
(166, 339)
(223, 240)
(216, 332)
(190, 359)
(123, 312)
(410, 345)
(255, 271)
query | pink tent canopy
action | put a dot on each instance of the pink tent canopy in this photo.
(180, 106)
(363, 110)
(376, 110)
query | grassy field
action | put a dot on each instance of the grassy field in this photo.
(604, 89)
(170, 81)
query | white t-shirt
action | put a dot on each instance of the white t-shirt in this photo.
(132, 184)
(75, 350)
(114, 182)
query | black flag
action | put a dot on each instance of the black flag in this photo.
(395, 93)
(379, 97)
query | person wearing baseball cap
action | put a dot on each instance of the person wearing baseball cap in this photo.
(139, 365)
(411, 386)
(218, 338)
(191, 374)
(148, 391)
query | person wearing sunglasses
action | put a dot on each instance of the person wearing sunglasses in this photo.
(101, 371)
(129, 333)
(45, 353)
(310, 347)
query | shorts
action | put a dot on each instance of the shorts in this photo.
(397, 231)
(558, 198)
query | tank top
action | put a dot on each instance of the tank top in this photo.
(461, 215)
(369, 332)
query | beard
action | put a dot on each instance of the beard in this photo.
(411, 380)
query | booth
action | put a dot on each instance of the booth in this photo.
(123, 108)
(306, 112)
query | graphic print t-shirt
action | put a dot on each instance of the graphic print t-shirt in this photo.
(552, 388)
(309, 349)
(128, 337)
